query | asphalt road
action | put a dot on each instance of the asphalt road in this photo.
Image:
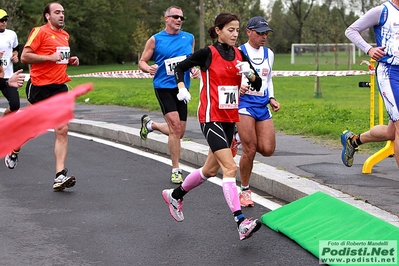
(296, 155)
(305, 157)
(115, 215)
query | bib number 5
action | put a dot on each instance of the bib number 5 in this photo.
(4, 61)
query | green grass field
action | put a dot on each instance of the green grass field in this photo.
(327, 60)
(342, 105)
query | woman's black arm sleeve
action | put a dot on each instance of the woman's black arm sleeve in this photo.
(257, 83)
(198, 58)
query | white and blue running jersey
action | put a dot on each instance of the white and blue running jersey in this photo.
(385, 21)
(387, 33)
(262, 60)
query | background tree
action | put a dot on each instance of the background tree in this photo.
(12, 8)
(105, 31)
(300, 10)
(140, 37)
(98, 29)
(362, 5)
(283, 35)
(318, 33)
(357, 7)
(337, 35)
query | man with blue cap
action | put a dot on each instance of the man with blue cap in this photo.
(253, 106)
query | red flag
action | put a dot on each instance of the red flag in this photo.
(19, 127)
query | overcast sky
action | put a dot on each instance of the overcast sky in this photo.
(264, 3)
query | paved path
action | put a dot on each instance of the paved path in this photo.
(115, 215)
(299, 166)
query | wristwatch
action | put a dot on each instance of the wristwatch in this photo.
(251, 75)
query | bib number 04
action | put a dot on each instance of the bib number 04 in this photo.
(65, 54)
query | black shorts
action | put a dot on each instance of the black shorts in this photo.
(218, 135)
(39, 93)
(167, 99)
(12, 96)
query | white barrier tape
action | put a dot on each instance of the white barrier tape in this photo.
(141, 74)
(320, 73)
(115, 74)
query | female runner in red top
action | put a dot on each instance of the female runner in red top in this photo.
(222, 66)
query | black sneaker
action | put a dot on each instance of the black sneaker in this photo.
(11, 160)
(63, 181)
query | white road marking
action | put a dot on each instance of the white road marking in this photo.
(255, 197)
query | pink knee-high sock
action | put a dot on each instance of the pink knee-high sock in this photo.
(193, 180)
(231, 194)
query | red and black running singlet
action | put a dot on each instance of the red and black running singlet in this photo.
(219, 89)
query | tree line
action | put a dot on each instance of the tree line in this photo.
(106, 31)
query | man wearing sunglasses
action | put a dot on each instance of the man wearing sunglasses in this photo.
(255, 130)
(167, 49)
(9, 49)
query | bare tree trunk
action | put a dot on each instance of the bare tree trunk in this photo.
(201, 24)
(317, 85)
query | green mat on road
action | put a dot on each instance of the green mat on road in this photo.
(320, 217)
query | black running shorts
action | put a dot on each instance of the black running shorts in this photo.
(218, 135)
(168, 102)
(39, 93)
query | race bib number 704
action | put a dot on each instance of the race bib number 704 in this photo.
(228, 97)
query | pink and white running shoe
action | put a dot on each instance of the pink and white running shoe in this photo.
(248, 227)
(175, 206)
